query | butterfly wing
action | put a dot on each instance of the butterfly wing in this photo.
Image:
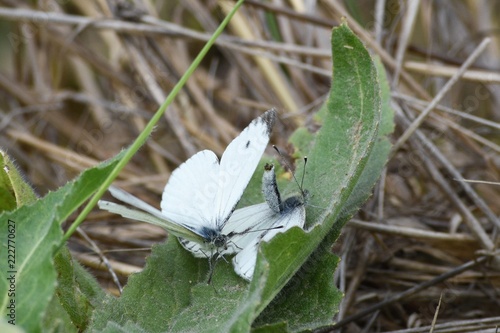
(201, 193)
(238, 164)
(149, 214)
(132, 200)
(189, 196)
(244, 261)
(244, 225)
(198, 249)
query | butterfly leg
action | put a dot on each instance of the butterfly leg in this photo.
(212, 261)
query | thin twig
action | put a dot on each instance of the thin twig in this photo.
(97, 250)
(475, 226)
(446, 109)
(379, 20)
(293, 14)
(411, 233)
(384, 55)
(434, 320)
(420, 119)
(152, 25)
(448, 71)
(404, 38)
(398, 297)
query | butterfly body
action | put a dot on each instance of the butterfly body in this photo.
(273, 217)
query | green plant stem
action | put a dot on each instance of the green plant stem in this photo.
(149, 127)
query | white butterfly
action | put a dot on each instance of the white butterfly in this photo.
(270, 218)
(202, 194)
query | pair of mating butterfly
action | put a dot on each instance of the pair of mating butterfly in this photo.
(199, 201)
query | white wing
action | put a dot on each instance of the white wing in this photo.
(244, 261)
(238, 164)
(132, 200)
(245, 225)
(147, 214)
(201, 193)
(189, 196)
(198, 249)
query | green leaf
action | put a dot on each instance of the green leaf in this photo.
(321, 263)
(14, 190)
(272, 328)
(77, 291)
(155, 297)
(31, 278)
(306, 302)
(379, 154)
(56, 319)
(338, 157)
(33, 232)
(8, 328)
(129, 327)
(171, 293)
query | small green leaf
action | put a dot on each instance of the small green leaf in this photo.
(77, 291)
(14, 190)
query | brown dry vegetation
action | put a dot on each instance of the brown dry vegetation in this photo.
(79, 80)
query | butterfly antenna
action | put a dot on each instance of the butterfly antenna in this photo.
(257, 230)
(303, 175)
(300, 185)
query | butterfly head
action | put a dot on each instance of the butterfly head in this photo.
(214, 238)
